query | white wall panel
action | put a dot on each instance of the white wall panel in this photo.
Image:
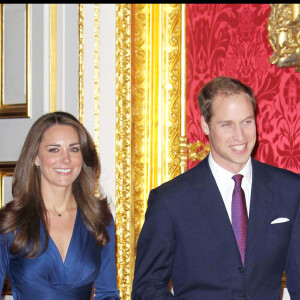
(106, 123)
(70, 40)
(107, 99)
(14, 131)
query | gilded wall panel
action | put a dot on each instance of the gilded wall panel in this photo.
(124, 230)
(148, 117)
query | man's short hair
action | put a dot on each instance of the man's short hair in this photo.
(221, 86)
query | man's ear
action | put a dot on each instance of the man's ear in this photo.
(204, 126)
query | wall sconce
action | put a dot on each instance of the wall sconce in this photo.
(284, 35)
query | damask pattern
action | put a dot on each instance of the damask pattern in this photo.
(232, 40)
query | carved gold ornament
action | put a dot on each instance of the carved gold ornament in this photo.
(284, 35)
(198, 151)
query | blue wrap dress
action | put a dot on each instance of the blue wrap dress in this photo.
(48, 277)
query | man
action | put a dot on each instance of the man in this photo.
(215, 239)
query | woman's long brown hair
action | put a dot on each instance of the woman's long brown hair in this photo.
(22, 216)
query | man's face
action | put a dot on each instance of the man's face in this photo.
(231, 131)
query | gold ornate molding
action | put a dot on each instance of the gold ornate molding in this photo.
(182, 148)
(124, 231)
(171, 81)
(150, 138)
(198, 151)
(141, 115)
(97, 74)
(97, 82)
(284, 35)
(80, 54)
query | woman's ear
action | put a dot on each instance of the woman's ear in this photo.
(37, 161)
(204, 126)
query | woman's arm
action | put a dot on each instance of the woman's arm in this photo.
(106, 282)
(4, 258)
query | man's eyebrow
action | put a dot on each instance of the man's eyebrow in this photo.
(224, 121)
(250, 117)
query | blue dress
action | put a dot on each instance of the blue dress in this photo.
(47, 277)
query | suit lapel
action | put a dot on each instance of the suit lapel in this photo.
(213, 209)
(261, 199)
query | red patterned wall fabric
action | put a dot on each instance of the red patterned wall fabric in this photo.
(232, 40)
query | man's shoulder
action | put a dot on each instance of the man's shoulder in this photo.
(274, 172)
(185, 181)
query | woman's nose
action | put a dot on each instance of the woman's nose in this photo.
(65, 156)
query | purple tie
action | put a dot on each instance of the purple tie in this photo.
(239, 215)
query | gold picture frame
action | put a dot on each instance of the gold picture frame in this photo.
(16, 110)
(6, 170)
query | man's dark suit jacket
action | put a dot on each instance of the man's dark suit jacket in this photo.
(188, 237)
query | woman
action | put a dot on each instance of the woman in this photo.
(56, 237)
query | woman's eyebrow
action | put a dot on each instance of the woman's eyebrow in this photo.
(58, 145)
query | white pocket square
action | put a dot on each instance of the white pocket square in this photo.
(280, 220)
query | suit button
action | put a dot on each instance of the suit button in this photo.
(240, 269)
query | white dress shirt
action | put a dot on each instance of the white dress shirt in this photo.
(225, 182)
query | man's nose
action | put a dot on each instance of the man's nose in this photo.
(239, 133)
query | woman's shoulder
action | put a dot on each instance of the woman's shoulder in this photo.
(6, 239)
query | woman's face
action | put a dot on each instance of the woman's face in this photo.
(59, 157)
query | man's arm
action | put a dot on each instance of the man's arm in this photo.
(292, 266)
(155, 253)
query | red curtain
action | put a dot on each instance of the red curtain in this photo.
(232, 40)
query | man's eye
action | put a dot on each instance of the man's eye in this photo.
(226, 125)
(250, 121)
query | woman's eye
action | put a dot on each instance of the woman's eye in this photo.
(53, 150)
(75, 149)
